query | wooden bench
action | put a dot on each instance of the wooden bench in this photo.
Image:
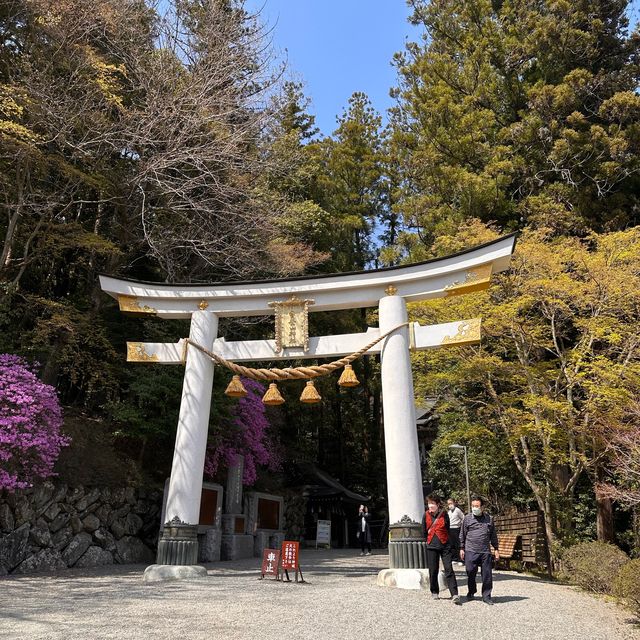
(531, 541)
(507, 546)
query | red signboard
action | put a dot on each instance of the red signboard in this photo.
(270, 563)
(290, 555)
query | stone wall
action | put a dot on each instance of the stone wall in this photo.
(53, 526)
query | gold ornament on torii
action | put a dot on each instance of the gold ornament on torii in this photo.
(292, 323)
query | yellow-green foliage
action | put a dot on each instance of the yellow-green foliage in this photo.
(16, 130)
(558, 370)
(594, 565)
(627, 584)
(12, 108)
(106, 76)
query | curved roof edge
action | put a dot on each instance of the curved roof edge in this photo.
(318, 276)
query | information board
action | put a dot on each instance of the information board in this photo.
(290, 554)
(290, 550)
(323, 532)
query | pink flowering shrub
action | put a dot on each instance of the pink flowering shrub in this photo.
(30, 421)
(245, 435)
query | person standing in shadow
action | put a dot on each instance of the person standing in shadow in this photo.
(435, 525)
(364, 530)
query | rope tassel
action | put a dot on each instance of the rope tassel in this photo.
(272, 397)
(310, 394)
(236, 389)
(348, 377)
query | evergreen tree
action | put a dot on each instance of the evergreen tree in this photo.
(518, 112)
(354, 164)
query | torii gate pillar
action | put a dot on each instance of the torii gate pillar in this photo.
(179, 542)
(404, 479)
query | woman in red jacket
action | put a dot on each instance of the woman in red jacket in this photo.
(435, 525)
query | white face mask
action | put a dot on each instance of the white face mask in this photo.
(477, 511)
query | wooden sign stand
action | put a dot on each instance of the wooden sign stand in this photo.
(298, 571)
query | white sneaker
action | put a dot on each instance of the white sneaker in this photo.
(368, 553)
(362, 553)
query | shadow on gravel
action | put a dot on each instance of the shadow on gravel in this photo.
(501, 599)
(520, 577)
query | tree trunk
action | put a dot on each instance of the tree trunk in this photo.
(8, 238)
(604, 512)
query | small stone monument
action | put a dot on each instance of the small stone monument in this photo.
(237, 543)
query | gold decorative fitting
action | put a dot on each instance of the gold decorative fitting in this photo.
(236, 389)
(202, 305)
(272, 397)
(476, 279)
(310, 394)
(292, 323)
(136, 353)
(468, 332)
(348, 377)
(391, 290)
(130, 304)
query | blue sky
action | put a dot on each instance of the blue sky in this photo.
(337, 47)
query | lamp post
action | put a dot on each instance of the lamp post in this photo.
(466, 470)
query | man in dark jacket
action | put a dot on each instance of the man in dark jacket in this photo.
(477, 536)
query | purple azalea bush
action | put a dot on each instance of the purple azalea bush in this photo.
(247, 436)
(30, 421)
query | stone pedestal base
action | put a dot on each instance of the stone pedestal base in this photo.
(407, 546)
(267, 540)
(178, 544)
(209, 545)
(236, 547)
(406, 554)
(234, 524)
(408, 579)
(167, 573)
(276, 540)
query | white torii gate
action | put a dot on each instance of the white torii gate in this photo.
(389, 289)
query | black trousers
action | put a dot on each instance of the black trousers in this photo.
(433, 564)
(454, 539)
(472, 561)
(363, 541)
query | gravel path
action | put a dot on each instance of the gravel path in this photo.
(339, 601)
